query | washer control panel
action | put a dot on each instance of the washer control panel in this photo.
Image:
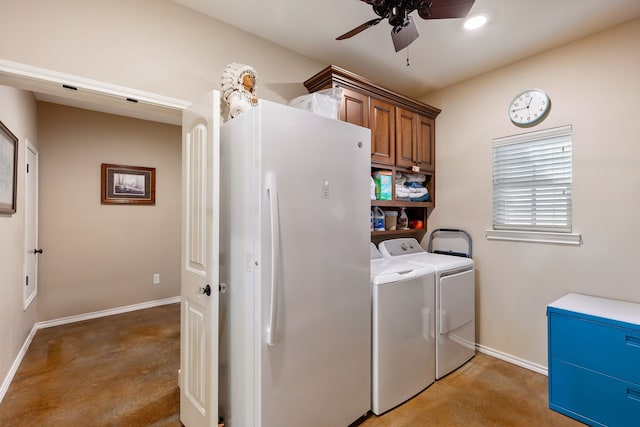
(396, 247)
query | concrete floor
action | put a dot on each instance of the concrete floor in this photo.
(118, 370)
(122, 371)
(484, 392)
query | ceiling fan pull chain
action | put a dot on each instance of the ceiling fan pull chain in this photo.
(408, 63)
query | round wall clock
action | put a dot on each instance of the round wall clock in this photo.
(529, 107)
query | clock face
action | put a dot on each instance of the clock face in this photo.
(529, 107)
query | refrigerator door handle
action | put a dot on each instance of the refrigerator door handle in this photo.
(272, 194)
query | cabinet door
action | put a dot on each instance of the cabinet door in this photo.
(415, 136)
(382, 118)
(425, 140)
(406, 135)
(354, 108)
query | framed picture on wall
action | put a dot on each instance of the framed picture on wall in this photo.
(8, 170)
(128, 185)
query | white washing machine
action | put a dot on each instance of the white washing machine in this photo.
(403, 334)
(455, 300)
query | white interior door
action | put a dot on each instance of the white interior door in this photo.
(31, 218)
(200, 262)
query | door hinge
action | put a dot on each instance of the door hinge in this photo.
(27, 167)
(27, 281)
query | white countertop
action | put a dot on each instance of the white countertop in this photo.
(623, 311)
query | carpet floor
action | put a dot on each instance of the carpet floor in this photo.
(122, 370)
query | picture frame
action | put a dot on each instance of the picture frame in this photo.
(127, 185)
(8, 170)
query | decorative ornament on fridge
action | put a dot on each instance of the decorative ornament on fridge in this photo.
(238, 89)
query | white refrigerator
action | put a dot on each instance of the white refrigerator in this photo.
(295, 320)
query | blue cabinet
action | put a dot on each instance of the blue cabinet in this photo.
(594, 360)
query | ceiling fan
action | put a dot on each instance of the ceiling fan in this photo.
(397, 12)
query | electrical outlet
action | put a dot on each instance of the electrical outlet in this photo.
(156, 279)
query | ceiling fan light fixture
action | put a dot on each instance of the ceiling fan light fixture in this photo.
(474, 22)
(404, 36)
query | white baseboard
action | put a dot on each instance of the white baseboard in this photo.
(71, 319)
(108, 312)
(16, 363)
(513, 359)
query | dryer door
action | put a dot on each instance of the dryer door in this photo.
(457, 300)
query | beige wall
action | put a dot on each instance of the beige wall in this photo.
(18, 113)
(594, 85)
(103, 256)
(155, 46)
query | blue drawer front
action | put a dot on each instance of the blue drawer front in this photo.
(604, 348)
(593, 398)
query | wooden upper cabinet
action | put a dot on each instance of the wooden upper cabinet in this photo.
(402, 129)
(406, 137)
(426, 143)
(354, 108)
(415, 137)
(382, 124)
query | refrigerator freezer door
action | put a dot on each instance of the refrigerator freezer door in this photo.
(317, 370)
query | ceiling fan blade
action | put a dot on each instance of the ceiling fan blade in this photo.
(444, 9)
(359, 29)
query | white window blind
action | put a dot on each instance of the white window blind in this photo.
(532, 176)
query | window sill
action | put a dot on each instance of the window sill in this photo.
(535, 237)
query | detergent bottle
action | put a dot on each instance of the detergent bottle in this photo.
(372, 189)
(378, 219)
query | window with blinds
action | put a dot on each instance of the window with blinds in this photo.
(532, 175)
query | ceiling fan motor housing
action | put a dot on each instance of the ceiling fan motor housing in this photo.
(382, 11)
(398, 16)
(398, 10)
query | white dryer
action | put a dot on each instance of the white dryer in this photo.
(455, 300)
(403, 336)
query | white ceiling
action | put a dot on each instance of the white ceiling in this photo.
(443, 54)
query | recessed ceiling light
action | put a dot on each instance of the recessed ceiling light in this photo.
(475, 22)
